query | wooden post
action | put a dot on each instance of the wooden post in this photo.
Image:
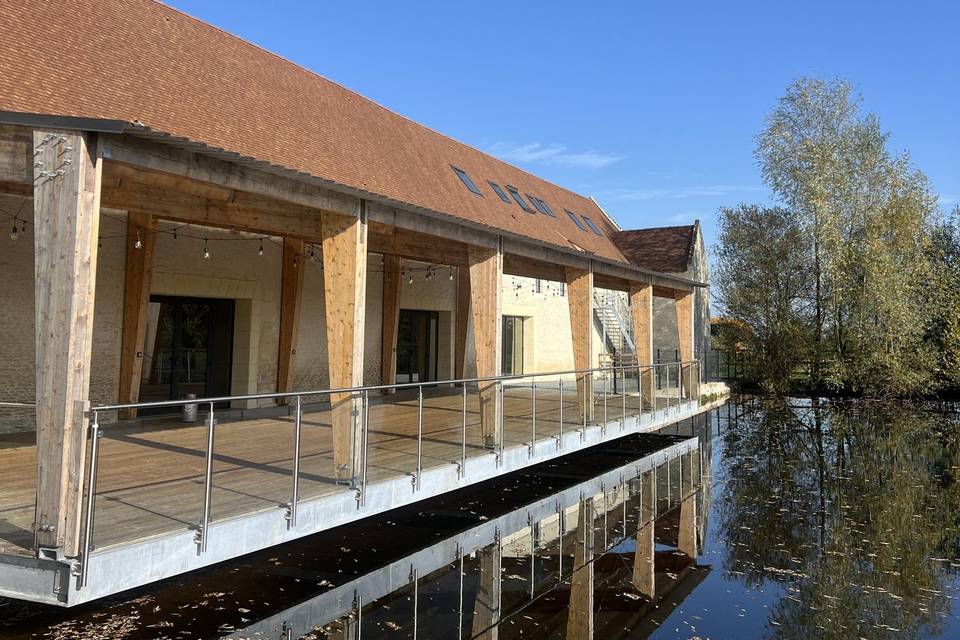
(345, 284)
(684, 304)
(141, 230)
(391, 320)
(687, 536)
(486, 275)
(66, 205)
(641, 311)
(486, 608)
(643, 560)
(580, 620)
(580, 302)
(463, 312)
(291, 297)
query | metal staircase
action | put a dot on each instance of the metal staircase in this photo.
(613, 319)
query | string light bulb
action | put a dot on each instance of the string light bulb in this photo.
(174, 233)
(13, 232)
(451, 275)
(139, 242)
(260, 250)
(206, 253)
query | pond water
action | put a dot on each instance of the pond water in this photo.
(785, 518)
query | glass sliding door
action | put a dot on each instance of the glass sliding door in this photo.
(512, 359)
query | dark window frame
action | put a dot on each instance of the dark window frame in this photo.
(576, 220)
(519, 199)
(466, 180)
(497, 189)
(593, 226)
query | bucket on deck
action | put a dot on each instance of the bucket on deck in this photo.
(189, 410)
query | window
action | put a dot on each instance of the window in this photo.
(541, 206)
(537, 286)
(499, 191)
(592, 226)
(519, 198)
(466, 180)
(563, 289)
(576, 219)
(512, 358)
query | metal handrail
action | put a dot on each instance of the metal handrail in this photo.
(358, 470)
(379, 387)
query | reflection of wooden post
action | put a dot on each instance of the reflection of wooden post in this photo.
(66, 211)
(580, 301)
(463, 312)
(641, 311)
(141, 228)
(684, 304)
(486, 274)
(345, 285)
(580, 608)
(291, 297)
(643, 567)
(391, 320)
(486, 609)
(687, 536)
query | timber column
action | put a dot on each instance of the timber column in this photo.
(644, 570)
(486, 275)
(66, 207)
(345, 287)
(580, 620)
(291, 300)
(141, 241)
(684, 304)
(641, 312)
(580, 301)
(391, 320)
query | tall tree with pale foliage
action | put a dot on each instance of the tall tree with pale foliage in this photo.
(865, 216)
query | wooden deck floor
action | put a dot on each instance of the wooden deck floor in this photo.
(151, 474)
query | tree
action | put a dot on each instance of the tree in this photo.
(865, 215)
(763, 282)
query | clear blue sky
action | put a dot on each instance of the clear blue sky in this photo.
(652, 108)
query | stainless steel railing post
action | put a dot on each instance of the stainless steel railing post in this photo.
(463, 435)
(95, 435)
(501, 427)
(419, 437)
(623, 395)
(605, 385)
(560, 433)
(533, 416)
(365, 444)
(295, 495)
(202, 536)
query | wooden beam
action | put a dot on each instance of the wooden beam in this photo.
(580, 619)
(391, 319)
(16, 154)
(66, 227)
(169, 159)
(580, 302)
(612, 283)
(291, 299)
(174, 198)
(416, 246)
(517, 265)
(684, 305)
(486, 276)
(643, 560)
(345, 285)
(463, 313)
(141, 241)
(641, 312)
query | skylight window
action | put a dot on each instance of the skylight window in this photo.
(466, 180)
(541, 206)
(519, 198)
(592, 226)
(576, 219)
(499, 191)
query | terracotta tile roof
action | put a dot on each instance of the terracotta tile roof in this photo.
(141, 61)
(664, 249)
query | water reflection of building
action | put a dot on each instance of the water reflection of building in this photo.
(592, 558)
